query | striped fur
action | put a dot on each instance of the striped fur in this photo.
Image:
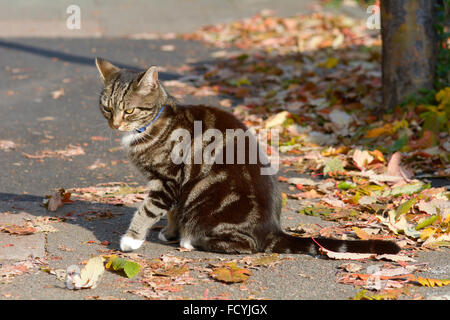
(219, 207)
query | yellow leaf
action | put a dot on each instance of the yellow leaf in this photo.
(426, 233)
(331, 63)
(429, 282)
(230, 273)
(361, 233)
(378, 155)
(376, 132)
(399, 125)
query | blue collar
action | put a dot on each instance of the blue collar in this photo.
(140, 130)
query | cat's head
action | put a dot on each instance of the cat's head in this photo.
(129, 99)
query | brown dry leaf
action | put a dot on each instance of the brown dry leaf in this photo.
(263, 261)
(395, 258)
(172, 271)
(97, 164)
(7, 145)
(70, 151)
(350, 267)
(57, 93)
(167, 47)
(361, 233)
(230, 273)
(18, 230)
(347, 255)
(103, 298)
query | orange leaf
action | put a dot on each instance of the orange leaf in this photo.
(378, 155)
(19, 230)
(361, 233)
(376, 132)
(230, 273)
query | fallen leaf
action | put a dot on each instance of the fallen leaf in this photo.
(264, 261)
(7, 145)
(98, 138)
(346, 255)
(18, 230)
(395, 258)
(361, 233)
(429, 282)
(167, 47)
(376, 132)
(362, 158)
(172, 271)
(57, 93)
(230, 273)
(350, 267)
(333, 165)
(130, 268)
(404, 208)
(277, 120)
(89, 277)
(97, 164)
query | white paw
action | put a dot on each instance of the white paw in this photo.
(162, 237)
(186, 243)
(129, 244)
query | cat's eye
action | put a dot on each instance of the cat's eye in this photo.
(129, 111)
(107, 109)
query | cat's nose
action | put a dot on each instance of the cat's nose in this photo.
(114, 125)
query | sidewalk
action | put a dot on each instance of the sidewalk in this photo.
(39, 57)
(115, 18)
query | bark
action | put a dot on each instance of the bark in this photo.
(409, 48)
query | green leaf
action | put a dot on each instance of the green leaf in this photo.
(404, 208)
(130, 268)
(398, 144)
(344, 185)
(427, 222)
(240, 82)
(316, 211)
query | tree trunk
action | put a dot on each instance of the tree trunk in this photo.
(409, 48)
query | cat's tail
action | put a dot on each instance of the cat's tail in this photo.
(285, 243)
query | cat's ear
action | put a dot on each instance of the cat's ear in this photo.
(107, 69)
(148, 82)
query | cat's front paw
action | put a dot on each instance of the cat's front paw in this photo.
(128, 243)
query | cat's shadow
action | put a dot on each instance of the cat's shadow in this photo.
(80, 221)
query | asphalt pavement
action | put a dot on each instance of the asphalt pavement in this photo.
(34, 67)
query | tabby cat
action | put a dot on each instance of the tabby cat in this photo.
(218, 207)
